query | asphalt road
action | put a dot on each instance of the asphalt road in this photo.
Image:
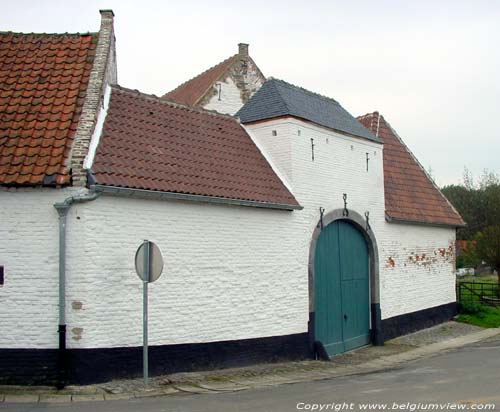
(466, 378)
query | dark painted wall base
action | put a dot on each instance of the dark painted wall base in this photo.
(411, 322)
(28, 366)
(32, 366)
(39, 366)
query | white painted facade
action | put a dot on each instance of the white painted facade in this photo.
(231, 92)
(227, 274)
(417, 268)
(231, 272)
(411, 257)
(226, 97)
(29, 252)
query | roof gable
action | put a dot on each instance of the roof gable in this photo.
(192, 91)
(43, 81)
(155, 145)
(240, 67)
(410, 195)
(278, 98)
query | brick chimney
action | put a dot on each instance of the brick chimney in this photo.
(103, 73)
(243, 49)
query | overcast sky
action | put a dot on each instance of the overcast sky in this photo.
(432, 68)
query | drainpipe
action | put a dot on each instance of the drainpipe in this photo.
(62, 209)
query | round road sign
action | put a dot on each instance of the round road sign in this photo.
(155, 266)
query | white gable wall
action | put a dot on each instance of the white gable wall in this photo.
(236, 87)
(228, 100)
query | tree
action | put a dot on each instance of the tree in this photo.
(465, 201)
(488, 248)
(468, 257)
(479, 205)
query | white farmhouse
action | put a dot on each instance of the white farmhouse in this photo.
(289, 229)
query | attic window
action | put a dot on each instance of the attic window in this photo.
(298, 132)
(274, 133)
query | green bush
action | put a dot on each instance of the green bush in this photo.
(479, 315)
(470, 308)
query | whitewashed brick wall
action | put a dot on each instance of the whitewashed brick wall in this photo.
(230, 100)
(231, 272)
(417, 268)
(29, 251)
(416, 262)
(236, 88)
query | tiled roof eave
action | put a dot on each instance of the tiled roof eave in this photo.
(161, 195)
(390, 219)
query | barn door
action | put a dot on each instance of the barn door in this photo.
(342, 295)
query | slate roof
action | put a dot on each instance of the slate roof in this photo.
(190, 92)
(278, 98)
(43, 80)
(152, 144)
(410, 195)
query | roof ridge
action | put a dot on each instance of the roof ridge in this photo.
(283, 100)
(372, 115)
(200, 74)
(287, 84)
(166, 101)
(366, 115)
(88, 33)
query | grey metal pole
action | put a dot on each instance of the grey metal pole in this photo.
(145, 311)
(62, 210)
(61, 329)
(62, 266)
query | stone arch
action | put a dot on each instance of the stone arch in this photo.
(358, 221)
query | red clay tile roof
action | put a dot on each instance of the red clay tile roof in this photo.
(43, 79)
(152, 144)
(410, 195)
(193, 90)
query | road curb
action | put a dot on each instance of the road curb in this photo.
(236, 385)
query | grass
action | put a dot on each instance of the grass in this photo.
(483, 278)
(479, 315)
(482, 286)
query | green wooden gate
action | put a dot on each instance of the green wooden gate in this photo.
(342, 291)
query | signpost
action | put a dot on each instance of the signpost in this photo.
(148, 265)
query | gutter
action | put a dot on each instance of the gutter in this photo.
(152, 194)
(63, 209)
(390, 219)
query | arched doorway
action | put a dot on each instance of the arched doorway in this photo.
(343, 285)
